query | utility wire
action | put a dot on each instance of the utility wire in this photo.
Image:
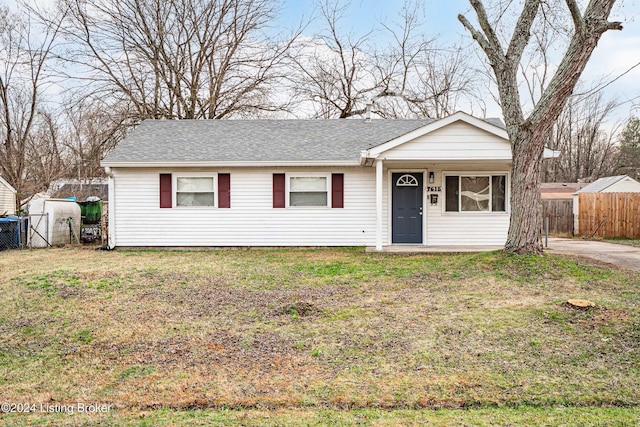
(598, 89)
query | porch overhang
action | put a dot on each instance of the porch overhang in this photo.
(367, 159)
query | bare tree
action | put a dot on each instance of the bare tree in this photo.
(334, 71)
(439, 81)
(189, 59)
(25, 50)
(588, 150)
(45, 158)
(529, 134)
(90, 131)
(339, 73)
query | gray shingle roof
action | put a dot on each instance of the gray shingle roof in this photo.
(165, 141)
(601, 184)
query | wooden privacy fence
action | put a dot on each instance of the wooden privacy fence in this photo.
(560, 214)
(609, 214)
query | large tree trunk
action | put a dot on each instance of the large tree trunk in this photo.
(526, 205)
(528, 135)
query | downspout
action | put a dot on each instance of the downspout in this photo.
(379, 177)
(111, 242)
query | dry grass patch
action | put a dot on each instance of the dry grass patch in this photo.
(322, 329)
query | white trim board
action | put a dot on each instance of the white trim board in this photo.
(6, 184)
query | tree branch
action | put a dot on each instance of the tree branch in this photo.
(486, 27)
(575, 60)
(578, 23)
(522, 32)
(477, 35)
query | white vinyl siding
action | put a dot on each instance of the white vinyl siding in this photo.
(7, 200)
(465, 228)
(251, 220)
(626, 185)
(457, 141)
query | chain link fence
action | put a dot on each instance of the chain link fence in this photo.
(13, 232)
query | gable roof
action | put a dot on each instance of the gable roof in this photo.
(245, 142)
(603, 183)
(6, 184)
(493, 126)
(271, 142)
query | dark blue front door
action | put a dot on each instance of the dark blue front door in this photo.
(406, 208)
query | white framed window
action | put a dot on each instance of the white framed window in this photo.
(407, 180)
(195, 190)
(308, 189)
(475, 192)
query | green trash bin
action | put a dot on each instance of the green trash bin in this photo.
(91, 211)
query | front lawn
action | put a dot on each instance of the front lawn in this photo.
(310, 336)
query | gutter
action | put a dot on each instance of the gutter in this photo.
(315, 163)
(366, 159)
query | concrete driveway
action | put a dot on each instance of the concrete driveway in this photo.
(621, 255)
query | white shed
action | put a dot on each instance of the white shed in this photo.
(7, 198)
(609, 184)
(53, 222)
(612, 184)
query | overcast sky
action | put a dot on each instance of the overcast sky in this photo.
(616, 53)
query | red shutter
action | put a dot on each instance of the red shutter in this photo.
(166, 195)
(337, 190)
(278, 190)
(224, 190)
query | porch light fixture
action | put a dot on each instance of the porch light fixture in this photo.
(431, 177)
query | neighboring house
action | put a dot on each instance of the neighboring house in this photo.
(609, 184)
(560, 190)
(79, 188)
(7, 198)
(612, 184)
(64, 188)
(311, 183)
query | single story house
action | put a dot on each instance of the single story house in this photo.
(608, 184)
(560, 190)
(197, 183)
(7, 198)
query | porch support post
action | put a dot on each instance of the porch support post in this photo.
(379, 205)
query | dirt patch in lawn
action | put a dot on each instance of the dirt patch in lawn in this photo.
(316, 329)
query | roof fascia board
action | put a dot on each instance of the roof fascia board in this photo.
(459, 116)
(315, 163)
(445, 160)
(620, 179)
